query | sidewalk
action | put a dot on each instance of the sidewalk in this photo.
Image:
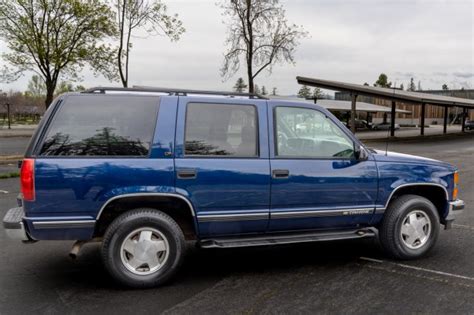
(17, 131)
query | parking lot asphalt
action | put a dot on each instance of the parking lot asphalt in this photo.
(345, 277)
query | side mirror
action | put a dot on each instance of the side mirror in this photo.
(359, 153)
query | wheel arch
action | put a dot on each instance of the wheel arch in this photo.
(436, 193)
(178, 207)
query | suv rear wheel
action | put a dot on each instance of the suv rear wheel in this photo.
(143, 248)
(410, 227)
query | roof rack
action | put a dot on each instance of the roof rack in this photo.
(175, 92)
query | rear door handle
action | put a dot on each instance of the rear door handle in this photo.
(280, 173)
(187, 174)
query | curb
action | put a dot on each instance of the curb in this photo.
(417, 138)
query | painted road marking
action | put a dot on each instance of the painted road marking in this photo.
(3, 192)
(442, 273)
(462, 226)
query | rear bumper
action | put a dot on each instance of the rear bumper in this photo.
(456, 207)
(14, 226)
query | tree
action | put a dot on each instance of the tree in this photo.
(240, 85)
(54, 38)
(304, 92)
(256, 89)
(419, 86)
(411, 86)
(149, 15)
(264, 90)
(259, 32)
(402, 87)
(445, 87)
(36, 86)
(382, 81)
(274, 91)
(318, 93)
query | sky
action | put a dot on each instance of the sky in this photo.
(352, 41)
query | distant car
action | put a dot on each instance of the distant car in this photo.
(360, 124)
(469, 125)
(385, 126)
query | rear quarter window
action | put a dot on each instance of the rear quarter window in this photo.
(102, 125)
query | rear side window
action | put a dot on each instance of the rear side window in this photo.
(102, 125)
(221, 130)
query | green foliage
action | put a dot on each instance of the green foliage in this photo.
(256, 89)
(445, 87)
(382, 81)
(411, 86)
(55, 38)
(240, 85)
(36, 86)
(150, 16)
(274, 91)
(304, 92)
(317, 93)
(402, 87)
(9, 175)
(264, 90)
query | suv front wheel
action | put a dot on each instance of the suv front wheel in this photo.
(143, 248)
(410, 227)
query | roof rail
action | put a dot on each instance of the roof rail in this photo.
(175, 92)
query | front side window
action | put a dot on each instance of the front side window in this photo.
(221, 130)
(308, 133)
(102, 125)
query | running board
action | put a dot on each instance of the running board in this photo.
(287, 238)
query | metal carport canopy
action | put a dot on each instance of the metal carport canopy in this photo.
(388, 93)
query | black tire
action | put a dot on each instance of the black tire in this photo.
(390, 229)
(122, 227)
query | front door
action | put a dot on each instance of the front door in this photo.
(222, 164)
(317, 182)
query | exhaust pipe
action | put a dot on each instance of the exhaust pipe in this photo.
(76, 247)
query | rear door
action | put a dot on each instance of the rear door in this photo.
(316, 180)
(222, 163)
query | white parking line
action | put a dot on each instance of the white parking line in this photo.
(3, 192)
(462, 226)
(447, 274)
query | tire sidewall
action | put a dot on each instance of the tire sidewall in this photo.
(119, 234)
(431, 212)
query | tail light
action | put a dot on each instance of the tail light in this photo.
(27, 179)
(456, 182)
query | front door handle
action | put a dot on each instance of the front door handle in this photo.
(187, 174)
(280, 173)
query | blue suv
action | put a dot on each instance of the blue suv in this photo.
(144, 170)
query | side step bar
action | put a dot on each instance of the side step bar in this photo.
(287, 238)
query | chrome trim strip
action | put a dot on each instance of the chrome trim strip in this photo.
(320, 213)
(416, 184)
(233, 217)
(146, 195)
(40, 225)
(380, 211)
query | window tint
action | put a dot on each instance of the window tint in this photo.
(303, 132)
(221, 129)
(102, 125)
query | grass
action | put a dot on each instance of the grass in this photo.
(9, 175)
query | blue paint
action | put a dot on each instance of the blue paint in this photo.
(76, 189)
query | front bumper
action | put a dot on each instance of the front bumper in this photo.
(14, 226)
(456, 207)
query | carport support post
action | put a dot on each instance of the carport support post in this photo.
(392, 120)
(353, 113)
(445, 122)
(463, 123)
(423, 108)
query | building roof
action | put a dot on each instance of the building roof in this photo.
(345, 106)
(388, 93)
